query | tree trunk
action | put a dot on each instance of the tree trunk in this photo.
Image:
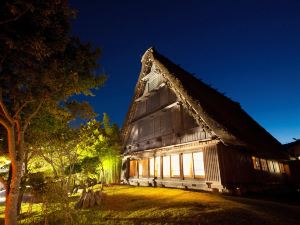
(102, 175)
(13, 195)
(15, 142)
(20, 198)
(23, 184)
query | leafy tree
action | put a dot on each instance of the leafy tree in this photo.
(99, 150)
(41, 66)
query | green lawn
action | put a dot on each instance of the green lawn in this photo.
(146, 205)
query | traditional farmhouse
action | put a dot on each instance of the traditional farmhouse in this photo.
(293, 149)
(180, 132)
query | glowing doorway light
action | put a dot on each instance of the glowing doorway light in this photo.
(198, 164)
(187, 159)
(151, 167)
(140, 168)
(175, 166)
(157, 166)
(166, 166)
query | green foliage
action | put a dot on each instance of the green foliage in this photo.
(99, 149)
(41, 66)
(41, 59)
(37, 182)
(92, 151)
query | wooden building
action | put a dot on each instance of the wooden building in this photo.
(180, 132)
(293, 148)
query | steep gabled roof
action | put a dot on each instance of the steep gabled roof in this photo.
(293, 147)
(224, 117)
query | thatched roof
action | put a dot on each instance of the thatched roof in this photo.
(211, 109)
(293, 147)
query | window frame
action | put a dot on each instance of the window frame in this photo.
(163, 166)
(151, 170)
(157, 167)
(133, 164)
(264, 166)
(191, 169)
(179, 166)
(202, 175)
(256, 163)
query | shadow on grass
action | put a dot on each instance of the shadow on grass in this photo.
(127, 205)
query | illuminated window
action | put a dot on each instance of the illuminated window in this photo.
(264, 165)
(271, 166)
(281, 167)
(166, 166)
(133, 168)
(143, 168)
(187, 160)
(287, 169)
(198, 164)
(276, 167)
(256, 163)
(151, 167)
(175, 166)
(140, 168)
(157, 166)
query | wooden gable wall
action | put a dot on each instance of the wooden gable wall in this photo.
(160, 119)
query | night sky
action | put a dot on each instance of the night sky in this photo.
(249, 50)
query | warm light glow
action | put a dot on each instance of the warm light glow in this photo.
(140, 168)
(166, 166)
(157, 166)
(198, 164)
(281, 168)
(264, 165)
(175, 165)
(187, 164)
(270, 165)
(276, 167)
(133, 168)
(256, 163)
(151, 167)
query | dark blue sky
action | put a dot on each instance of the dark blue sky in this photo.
(248, 49)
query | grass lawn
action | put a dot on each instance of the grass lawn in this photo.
(146, 205)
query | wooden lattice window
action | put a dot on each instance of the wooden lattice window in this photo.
(187, 163)
(256, 163)
(281, 167)
(198, 164)
(276, 167)
(143, 168)
(271, 166)
(166, 166)
(264, 165)
(175, 166)
(151, 167)
(133, 168)
(157, 167)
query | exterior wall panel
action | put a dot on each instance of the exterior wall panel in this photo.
(211, 164)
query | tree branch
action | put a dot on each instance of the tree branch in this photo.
(17, 122)
(4, 109)
(15, 18)
(48, 160)
(5, 123)
(21, 107)
(27, 121)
